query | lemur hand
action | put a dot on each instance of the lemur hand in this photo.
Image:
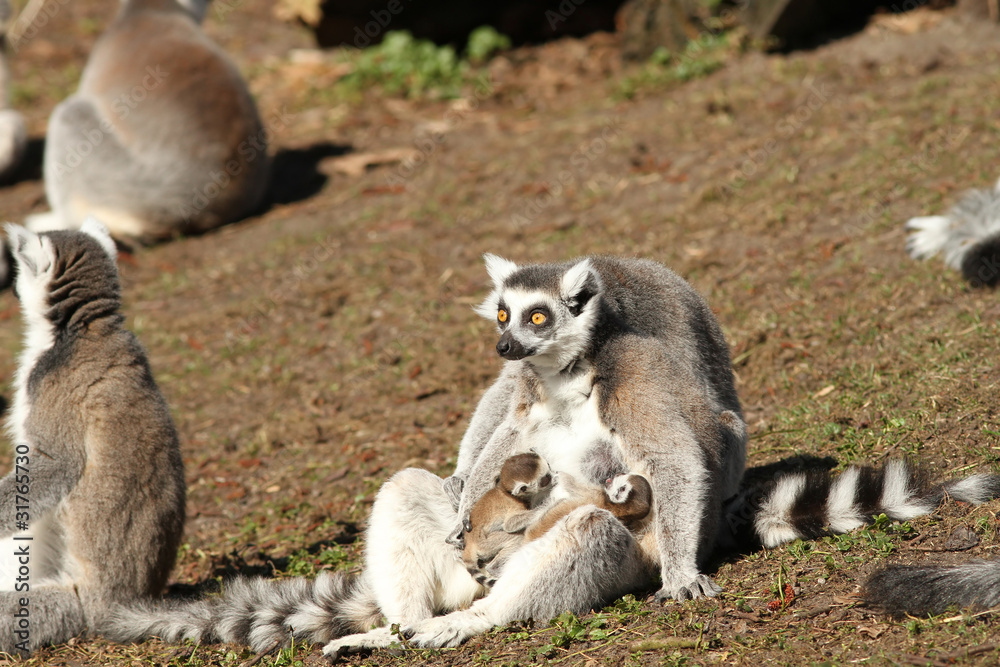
(453, 489)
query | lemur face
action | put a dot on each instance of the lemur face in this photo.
(619, 488)
(524, 476)
(544, 314)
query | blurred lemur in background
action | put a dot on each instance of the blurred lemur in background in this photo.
(968, 236)
(162, 137)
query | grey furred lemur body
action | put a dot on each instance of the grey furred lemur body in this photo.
(13, 131)
(968, 236)
(613, 365)
(92, 512)
(171, 139)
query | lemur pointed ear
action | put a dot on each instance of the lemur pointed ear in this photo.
(579, 285)
(95, 229)
(499, 268)
(28, 250)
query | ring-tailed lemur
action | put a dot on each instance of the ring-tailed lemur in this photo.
(13, 131)
(969, 236)
(600, 351)
(629, 498)
(524, 482)
(162, 138)
(92, 512)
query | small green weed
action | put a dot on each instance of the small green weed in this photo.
(699, 58)
(568, 628)
(484, 42)
(304, 564)
(406, 66)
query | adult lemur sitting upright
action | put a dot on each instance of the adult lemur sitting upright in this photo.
(601, 353)
(92, 511)
(162, 138)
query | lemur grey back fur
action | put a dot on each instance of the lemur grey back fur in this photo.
(162, 137)
(92, 513)
(968, 236)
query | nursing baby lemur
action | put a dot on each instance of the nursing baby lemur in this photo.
(525, 504)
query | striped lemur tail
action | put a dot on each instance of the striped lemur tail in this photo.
(932, 589)
(263, 613)
(968, 236)
(806, 505)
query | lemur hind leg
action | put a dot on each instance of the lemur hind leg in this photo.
(89, 171)
(413, 572)
(585, 560)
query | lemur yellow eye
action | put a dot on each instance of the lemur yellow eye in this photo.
(537, 318)
(501, 315)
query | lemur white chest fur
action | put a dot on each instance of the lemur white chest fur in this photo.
(39, 333)
(566, 423)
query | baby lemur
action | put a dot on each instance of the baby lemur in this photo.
(523, 483)
(92, 511)
(525, 504)
(162, 137)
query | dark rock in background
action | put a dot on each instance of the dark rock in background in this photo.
(795, 24)
(363, 22)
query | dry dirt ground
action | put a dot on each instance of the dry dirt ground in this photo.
(311, 351)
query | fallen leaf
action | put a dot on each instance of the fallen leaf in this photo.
(871, 630)
(825, 391)
(961, 539)
(355, 164)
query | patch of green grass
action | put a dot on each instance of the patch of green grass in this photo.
(405, 66)
(699, 58)
(305, 564)
(485, 41)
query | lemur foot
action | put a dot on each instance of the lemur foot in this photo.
(359, 643)
(702, 586)
(443, 631)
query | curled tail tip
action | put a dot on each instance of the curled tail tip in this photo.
(929, 235)
(975, 489)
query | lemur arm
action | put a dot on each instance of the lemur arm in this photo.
(520, 521)
(686, 506)
(494, 407)
(669, 432)
(36, 483)
(540, 520)
(483, 476)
